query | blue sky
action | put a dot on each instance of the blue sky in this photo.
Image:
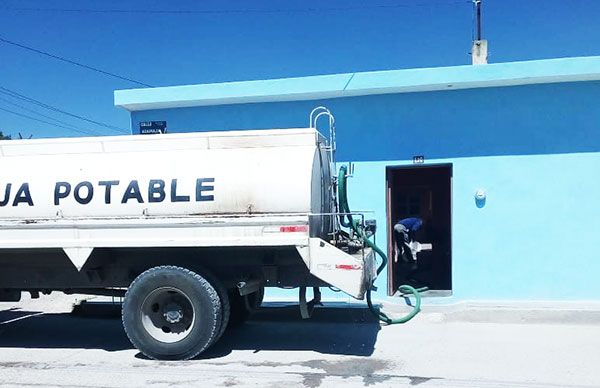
(218, 42)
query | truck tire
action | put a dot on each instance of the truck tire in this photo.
(239, 309)
(225, 307)
(171, 313)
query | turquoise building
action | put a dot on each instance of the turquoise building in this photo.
(501, 161)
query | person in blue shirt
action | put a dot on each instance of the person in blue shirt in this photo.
(404, 233)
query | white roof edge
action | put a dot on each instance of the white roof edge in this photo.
(556, 70)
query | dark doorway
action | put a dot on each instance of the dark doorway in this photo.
(423, 192)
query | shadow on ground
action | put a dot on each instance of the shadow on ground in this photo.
(331, 330)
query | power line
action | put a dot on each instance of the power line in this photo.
(19, 96)
(233, 11)
(46, 122)
(55, 109)
(58, 57)
(7, 101)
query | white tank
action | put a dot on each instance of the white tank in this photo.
(282, 171)
(266, 188)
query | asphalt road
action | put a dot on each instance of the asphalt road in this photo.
(43, 343)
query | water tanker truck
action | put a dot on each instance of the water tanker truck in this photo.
(188, 228)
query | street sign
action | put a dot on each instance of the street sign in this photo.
(153, 127)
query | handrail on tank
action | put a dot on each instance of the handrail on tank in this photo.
(312, 122)
(315, 114)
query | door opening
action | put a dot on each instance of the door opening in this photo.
(422, 192)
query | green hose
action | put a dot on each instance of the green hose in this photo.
(347, 221)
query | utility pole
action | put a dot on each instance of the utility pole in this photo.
(479, 49)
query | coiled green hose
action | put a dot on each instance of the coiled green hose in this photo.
(347, 221)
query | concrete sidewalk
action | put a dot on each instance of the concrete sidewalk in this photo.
(43, 344)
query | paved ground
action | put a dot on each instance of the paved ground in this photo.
(43, 344)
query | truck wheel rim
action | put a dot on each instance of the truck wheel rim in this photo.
(168, 315)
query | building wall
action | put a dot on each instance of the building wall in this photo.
(534, 148)
(536, 235)
(519, 120)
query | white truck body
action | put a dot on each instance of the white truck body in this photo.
(263, 188)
